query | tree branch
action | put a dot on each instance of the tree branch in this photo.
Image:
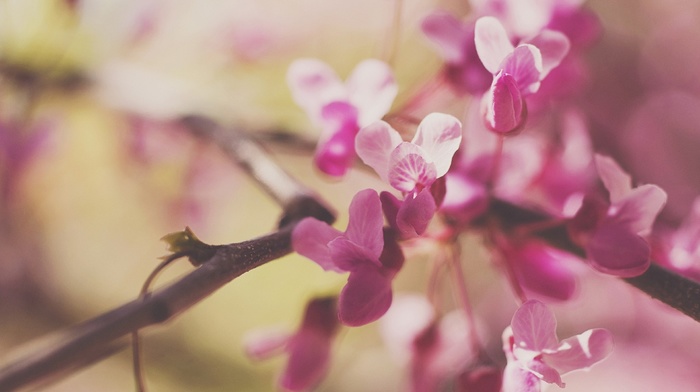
(96, 338)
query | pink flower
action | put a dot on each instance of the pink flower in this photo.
(612, 233)
(435, 350)
(535, 353)
(370, 254)
(341, 108)
(410, 167)
(309, 349)
(454, 41)
(543, 271)
(517, 71)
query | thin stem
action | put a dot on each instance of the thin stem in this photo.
(392, 45)
(454, 253)
(497, 158)
(136, 351)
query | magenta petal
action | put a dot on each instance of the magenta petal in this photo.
(581, 351)
(492, 43)
(366, 222)
(372, 89)
(365, 298)
(639, 208)
(544, 271)
(615, 250)
(348, 256)
(545, 372)
(336, 148)
(525, 65)
(415, 214)
(534, 327)
(374, 144)
(310, 238)
(503, 105)
(439, 135)
(309, 355)
(409, 169)
(313, 83)
(447, 35)
(553, 46)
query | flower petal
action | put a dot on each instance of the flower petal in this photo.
(264, 343)
(544, 271)
(534, 327)
(374, 144)
(366, 222)
(503, 105)
(365, 298)
(581, 351)
(446, 33)
(310, 238)
(348, 256)
(553, 47)
(492, 43)
(616, 181)
(415, 214)
(525, 65)
(336, 147)
(518, 379)
(371, 89)
(409, 169)
(313, 83)
(439, 135)
(309, 355)
(615, 250)
(639, 208)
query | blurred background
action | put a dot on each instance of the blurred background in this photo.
(94, 170)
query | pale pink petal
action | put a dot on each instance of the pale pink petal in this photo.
(313, 83)
(503, 105)
(453, 353)
(415, 214)
(310, 238)
(553, 46)
(264, 343)
(639, 208)
(439, 135)
(534, 327)
(492, 43)
(366, 222)
(525, 65)
(581, 351)
(616, 181)
(365, 298)
(371, 89)
(615, 250)
(407, 317)
(409, 168)
(545, 372)
(446, 33)
(518, 379)
(374, 144)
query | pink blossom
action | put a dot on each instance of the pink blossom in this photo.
(434, 349)
(454, 41)
(370, 254)
(535, 353)
(612, 233)
(543, 271)
(411, 167)
(341, 108)
(518, 71)
(309, 349)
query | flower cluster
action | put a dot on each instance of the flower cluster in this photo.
(461, 175)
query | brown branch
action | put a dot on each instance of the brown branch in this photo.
(103, 335)
(674, 290)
